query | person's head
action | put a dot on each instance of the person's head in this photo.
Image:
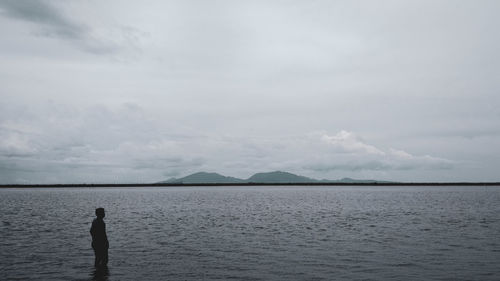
(99, 212)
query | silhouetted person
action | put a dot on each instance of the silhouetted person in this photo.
(99, 239)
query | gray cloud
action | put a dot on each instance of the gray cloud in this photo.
(373, 165)
(430, 164)
(62, 138)
(328, 89)
(127, 139)
(43, 13)
(52, 22)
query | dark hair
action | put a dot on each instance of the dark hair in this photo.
(99, 212)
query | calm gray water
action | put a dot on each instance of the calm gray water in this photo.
(254, 233)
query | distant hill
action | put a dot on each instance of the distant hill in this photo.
(270, 177)
(349, 180)
(203, 177)
(279, 177)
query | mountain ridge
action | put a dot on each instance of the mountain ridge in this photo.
(265, 177)
(204, 177)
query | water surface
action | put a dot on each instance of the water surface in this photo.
(254, 233)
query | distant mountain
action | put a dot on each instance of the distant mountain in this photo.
(203, 177)
(279, 177)
(270, 177)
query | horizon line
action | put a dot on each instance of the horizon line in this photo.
(61, 185)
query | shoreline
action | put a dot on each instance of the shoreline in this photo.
(251, 184)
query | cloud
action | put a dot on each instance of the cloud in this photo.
(400, 153)
(353, 166)
(98, 143)
(15, 144)
(347, 152)
(52, 22)
(348, 142)
(424, 163)
(54, 142)
(124, 144)
(236, 86)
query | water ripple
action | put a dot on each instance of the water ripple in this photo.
(254, 233)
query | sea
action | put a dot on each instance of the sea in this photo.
(254, 233)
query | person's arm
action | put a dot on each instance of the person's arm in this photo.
(105, 235)
(92, 229)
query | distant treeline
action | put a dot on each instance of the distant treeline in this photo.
(253, 184)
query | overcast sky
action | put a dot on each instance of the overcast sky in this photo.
(141, 91)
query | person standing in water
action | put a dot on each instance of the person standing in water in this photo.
(100, 242)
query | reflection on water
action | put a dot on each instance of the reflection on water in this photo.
(100, 274)
(254, 233)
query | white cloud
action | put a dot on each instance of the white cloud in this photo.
(351, 153)
(348, 142)
(400, 153)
